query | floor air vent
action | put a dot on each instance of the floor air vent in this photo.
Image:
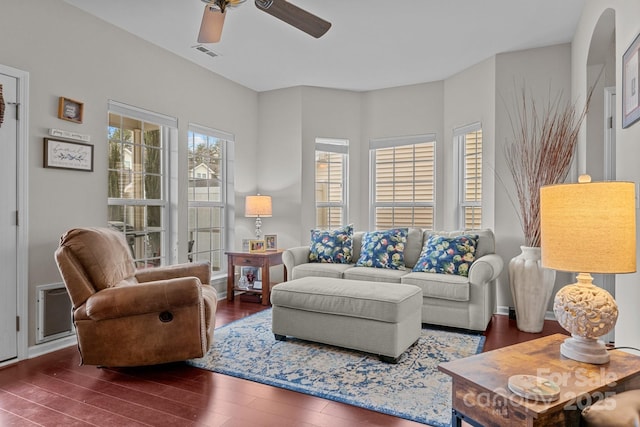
(54, 312)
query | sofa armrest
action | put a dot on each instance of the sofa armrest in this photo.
(201, 270)
(295, 256)
(152, 297)
(485, 269)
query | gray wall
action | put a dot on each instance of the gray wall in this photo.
(626, 29)
(401, 111)
(72, 54)
(544, 72)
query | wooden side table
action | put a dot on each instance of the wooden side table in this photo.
(481, 395)
(262, 260)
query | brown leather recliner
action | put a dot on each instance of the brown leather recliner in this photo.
(129, 317)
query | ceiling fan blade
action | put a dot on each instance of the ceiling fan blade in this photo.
(211, 26)
(293, 15)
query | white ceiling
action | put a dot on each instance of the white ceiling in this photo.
(372, 44)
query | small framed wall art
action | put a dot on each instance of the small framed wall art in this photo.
(68, 155)
(271, 242)
(630, 79)
(70, 109)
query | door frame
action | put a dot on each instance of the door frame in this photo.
(22, 182)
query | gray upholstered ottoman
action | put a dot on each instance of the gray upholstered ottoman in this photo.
(379, 318)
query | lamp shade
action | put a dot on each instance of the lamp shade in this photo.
(257, 206)
(211, 25)
(589, 227)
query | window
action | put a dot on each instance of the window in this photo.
(137, 180)
(469, 148)
(331, 182)
(209, 158)
(403, 181)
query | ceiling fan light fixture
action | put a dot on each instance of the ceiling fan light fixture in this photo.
(211, 26)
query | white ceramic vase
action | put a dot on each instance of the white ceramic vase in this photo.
(531, 288)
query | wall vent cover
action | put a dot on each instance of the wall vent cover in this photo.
(54, 312)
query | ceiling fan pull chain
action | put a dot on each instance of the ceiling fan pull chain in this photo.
(2, 106)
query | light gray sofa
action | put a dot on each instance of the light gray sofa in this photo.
(447, 300)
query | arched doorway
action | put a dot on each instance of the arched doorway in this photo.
(600, 121)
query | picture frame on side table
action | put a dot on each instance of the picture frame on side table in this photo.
(70, 110)
(246, 245)
(251, 274)
(68, 155)
(256, 246)
(630, 80)
(271, 242)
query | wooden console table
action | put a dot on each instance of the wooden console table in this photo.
(263, 260)
(481, 395)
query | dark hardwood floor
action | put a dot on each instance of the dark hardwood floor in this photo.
(53, 390)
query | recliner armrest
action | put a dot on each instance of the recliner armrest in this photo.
(485, 269)
(201, 270)
(295, 256)
(152, 297)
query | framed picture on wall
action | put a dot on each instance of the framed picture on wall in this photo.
(68, 155)
(70, 109)
(630, 78)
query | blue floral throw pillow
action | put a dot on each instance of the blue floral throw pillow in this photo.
(335, 246)
(383, 249)
(448, 255)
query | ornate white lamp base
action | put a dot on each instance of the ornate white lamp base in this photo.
(587, 312)
(588, 350)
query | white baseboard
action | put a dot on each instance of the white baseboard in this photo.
(48, 347)
(504, 310)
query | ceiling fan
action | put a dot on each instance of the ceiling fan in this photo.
(216, 10)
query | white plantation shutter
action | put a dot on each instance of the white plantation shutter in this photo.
(469, 141)
(331, 182)
(403, 181)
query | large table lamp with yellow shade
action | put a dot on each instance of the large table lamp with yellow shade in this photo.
(587, 227)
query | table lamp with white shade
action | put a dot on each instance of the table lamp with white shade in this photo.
(588, 227)
(258, 207)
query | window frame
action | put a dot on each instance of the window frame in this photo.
(168, 134)
(226, 197)
(335, 146)
(459, 141)
(381, 143)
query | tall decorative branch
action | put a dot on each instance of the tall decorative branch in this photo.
(543, 146)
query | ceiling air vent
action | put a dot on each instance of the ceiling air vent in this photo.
(205, 50)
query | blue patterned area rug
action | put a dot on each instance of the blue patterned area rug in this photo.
(412, 389)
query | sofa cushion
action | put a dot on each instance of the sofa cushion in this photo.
(413, 247)
(332, 246)
(383, 249)
(318, 269)
(386, 302)
(448, 255)
(486, 239)
(374, 274)
(442, 286)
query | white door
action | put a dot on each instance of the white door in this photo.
(8, 220)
